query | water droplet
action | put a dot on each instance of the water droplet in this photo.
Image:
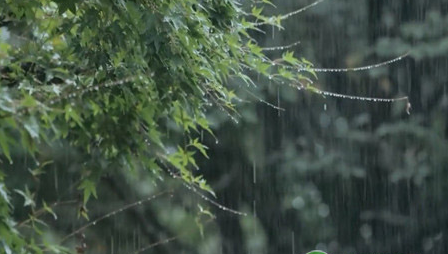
(408, 108)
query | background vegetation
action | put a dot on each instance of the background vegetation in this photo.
(105, 103)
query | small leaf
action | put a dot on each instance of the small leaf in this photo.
(4, 145)
(32, 127)
(202, 148)
(4, 193)
(29, 198)
(89, 188)
(289, 57)
(49, 210)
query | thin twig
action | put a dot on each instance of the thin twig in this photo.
(288, 15)
(263, 101)
(164, 241)
(126, 207)
(92, 89)
(71, 95)
(360, 98)
(197, 192)
(42, 210)
(361, 68)
(281, 47)
(152, 245)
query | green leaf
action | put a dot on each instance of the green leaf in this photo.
(4, 145)
(257, 12)
(89, 188)
(71, 113)
(39, 170)
(4, 193)
(28, 196)
(202, 148)
(32, 127)
(289, 58)
(49, 210)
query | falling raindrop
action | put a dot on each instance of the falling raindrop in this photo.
(408, 108)
(278, 101)
(293, 243)
(254, 168)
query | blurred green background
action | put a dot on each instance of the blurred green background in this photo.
(343, 176)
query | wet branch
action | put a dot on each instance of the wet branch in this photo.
(124, 208)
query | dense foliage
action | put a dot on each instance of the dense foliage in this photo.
(124, 85)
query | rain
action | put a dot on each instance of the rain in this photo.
(351, 159)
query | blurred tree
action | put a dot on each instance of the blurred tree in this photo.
(346, 175)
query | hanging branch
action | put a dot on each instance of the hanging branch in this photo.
(360, 98)
(46, 209)
(288, 15)
(263, 101)
(122, 209)
(163, 241)
(152, 245)
(197, 192)
(281, 47)
(338, 95)
(79, 92)
(82, 91)
(361, 68)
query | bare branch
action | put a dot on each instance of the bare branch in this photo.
(124, 208)
(362, 68)
(152, 245)
(43, 210)
(197, 192)
(263, 101)
(354, 97)
(288, 15)
(301, 10)
(281, 47)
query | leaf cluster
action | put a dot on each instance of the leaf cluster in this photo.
(113, 79)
